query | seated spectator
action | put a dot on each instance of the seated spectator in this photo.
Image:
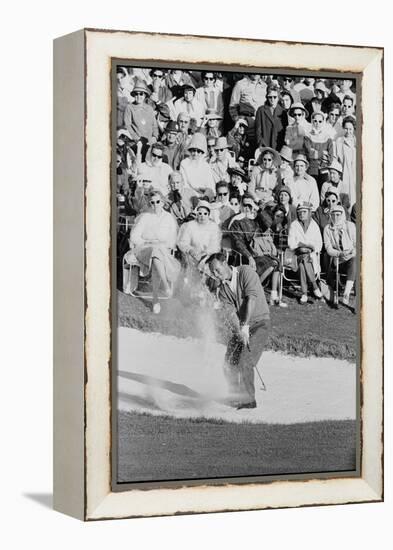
(340, 242)
(200, 237)
(284, 200)
(196, 171)
(305, 240)
(155, 169)
(152, 239)
(221, 209)
(297, 130)
(238, 181)
(304, 187)
(223, 161)
(264, 177)
(251, 241)
(140, 201)
(180, 201)
(318, 146)
(335, 174)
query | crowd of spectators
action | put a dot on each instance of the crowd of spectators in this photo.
(264, 165)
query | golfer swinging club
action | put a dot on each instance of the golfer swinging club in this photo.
(241, 289)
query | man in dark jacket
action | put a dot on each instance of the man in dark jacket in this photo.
(270, 121)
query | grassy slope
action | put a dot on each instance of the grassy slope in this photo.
(164, 448)
(314, 329)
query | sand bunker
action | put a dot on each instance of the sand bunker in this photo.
(183, 378)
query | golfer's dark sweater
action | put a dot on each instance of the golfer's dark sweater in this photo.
(247, 285)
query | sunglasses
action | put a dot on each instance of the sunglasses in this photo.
(234, 203)
(272, 96)
(195, 151)
(158, 75)
(269, 159)
(287, 79)
(328, 199)
(222, 194)
(208, 78)
(202, 213)
(155, 202)
(297, 114)
(156, 156)
(139, 93)
(247, 205)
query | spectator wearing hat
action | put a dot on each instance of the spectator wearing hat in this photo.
(304, 187)
(340, 242)
(270, 121)
(250, 90)
(322, 213)
(155, 170)
(285, 172)
(238, 139)
(264, 177)
(346, 155)
(210, 95)
(238, 182)
(139, 117)
(304, 238)
(335, 180)
(223, 161)
(298, 129)
(319, 149)
(171, 145)
(195, 169)
(189, 104)
(211, 124)
(200, 237)
(249, 238)
(284, 200)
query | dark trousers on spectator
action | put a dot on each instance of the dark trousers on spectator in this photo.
(347, 268)
(241, 361)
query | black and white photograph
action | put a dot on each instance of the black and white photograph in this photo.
(236, 273)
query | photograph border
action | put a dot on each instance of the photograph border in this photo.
(84, 489)
(123, 486)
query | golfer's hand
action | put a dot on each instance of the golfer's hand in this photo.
(245, 335)
(251, 263)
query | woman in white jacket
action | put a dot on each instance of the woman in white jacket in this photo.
(305, 239)
(339, 237)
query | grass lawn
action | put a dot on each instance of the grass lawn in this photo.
(165, 448)
(312, 329)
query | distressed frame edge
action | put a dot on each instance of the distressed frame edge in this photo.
(375, 491)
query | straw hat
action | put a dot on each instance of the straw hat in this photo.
(297, 106)
(301, 157)
(140, 86)
(221, 143)
(198, 141)
(304, 206)
(335, 165)
(284, 189)
(276, 156)
(286, 153)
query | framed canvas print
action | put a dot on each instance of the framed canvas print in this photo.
(218, 274)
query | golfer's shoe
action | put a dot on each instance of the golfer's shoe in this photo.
(249, 405)
(303, 299)
(156, 308)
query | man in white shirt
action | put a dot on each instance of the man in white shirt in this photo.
(251, 89)
(188, 104)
